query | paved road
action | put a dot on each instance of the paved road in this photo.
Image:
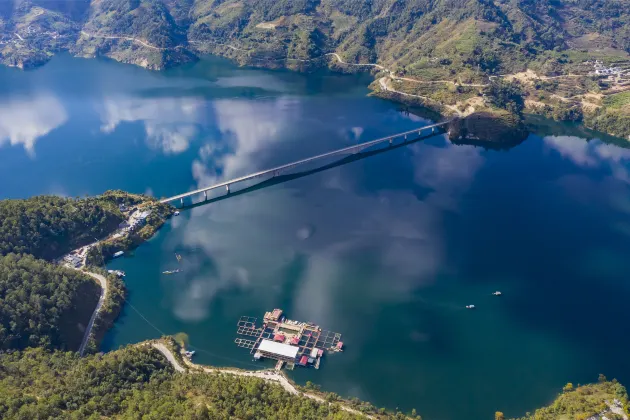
(265, 375)
(169, 356)
(103, 281)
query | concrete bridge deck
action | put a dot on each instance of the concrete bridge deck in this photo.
(279, 169)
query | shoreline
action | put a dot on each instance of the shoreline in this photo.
(174, 353)
(380, 87)
(93, 257)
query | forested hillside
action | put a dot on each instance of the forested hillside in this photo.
(138, 382)
(483, 35)
(49, 226)
(43, 305)
(604, 399)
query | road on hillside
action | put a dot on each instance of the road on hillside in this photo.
(103, 282)
(265, 375)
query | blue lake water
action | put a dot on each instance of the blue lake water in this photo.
(386, 250)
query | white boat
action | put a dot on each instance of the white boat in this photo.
(470, 306)
(497, 293)
(189, 354)
(172, 271)
(119, 273)
(118, 254)
(176, 213)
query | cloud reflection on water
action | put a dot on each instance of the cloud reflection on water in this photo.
(248, 130)
(403, 234)
(23, 121)
(170, 123)
(592, 153)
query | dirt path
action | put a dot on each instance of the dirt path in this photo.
(385, 86)
(378, 66)
(340, 60)
(86, 336)
(268, 376)
(138, 41)
(232, 47)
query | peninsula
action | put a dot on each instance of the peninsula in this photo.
(50, 242)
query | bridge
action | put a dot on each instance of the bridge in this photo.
(278, 170)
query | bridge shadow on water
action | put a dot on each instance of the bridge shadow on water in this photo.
(290, 177)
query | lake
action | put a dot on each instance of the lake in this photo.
(386, 249)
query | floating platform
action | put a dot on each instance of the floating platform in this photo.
(287, 341)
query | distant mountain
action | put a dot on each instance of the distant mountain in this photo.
(493, 36)
(459, 42)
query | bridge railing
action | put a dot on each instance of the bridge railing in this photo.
(350, 149)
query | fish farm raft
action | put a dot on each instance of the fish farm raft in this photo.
(287, 341)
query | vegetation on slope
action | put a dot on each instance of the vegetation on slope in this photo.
(111, 309)
(586, 401)
(47, 305)
(613, 117)
(414, 36)
(38, 384)
(43, 305)
(49, 226)
(138, 382)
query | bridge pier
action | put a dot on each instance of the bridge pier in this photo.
(351, 149)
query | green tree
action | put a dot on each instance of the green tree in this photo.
(506, 95)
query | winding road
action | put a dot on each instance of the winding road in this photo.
(169, 356)
(264, 375)
(88, 331)
(139, 41)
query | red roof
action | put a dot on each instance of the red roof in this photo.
(278, 337)
(303, 360)
(295, 340)
(340, 345)
(320, 352)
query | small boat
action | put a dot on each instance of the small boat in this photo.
(118, 273)
(470, 306)
(497, 293)
(176, 213)
(179, 257)
(172, 271)
(189, 354)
